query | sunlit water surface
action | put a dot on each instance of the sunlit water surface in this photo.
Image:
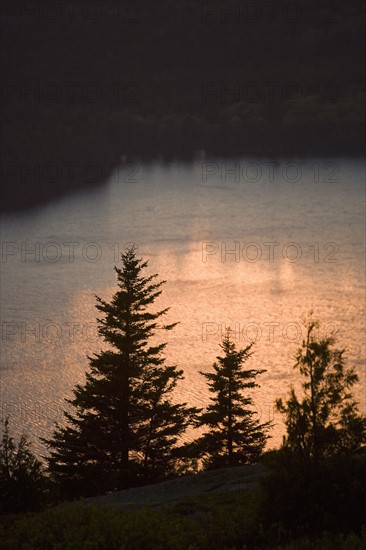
(298, 234)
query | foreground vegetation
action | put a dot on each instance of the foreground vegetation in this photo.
(231, 520)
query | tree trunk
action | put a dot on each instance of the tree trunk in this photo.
(124, 462)
(312, 404)
(230, 428)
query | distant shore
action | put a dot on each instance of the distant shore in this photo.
(172, 80)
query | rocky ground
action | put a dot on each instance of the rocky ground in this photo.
(194, 485)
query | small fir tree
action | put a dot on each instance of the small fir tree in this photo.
(234, 435)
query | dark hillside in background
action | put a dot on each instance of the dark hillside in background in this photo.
(170, 78)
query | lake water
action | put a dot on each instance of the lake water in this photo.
(253, 244)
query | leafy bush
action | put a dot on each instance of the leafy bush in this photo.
(22, 481)
(299, 498)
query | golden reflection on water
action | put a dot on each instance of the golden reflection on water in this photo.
(208, 288)
(262, 301)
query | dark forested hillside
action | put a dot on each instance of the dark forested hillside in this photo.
(84, 83)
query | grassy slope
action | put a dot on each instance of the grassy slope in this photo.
(208, 511)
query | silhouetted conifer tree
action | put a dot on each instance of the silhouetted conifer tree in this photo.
(234, 435)
(126, 427)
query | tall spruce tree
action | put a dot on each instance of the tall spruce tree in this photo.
(325, 420)
(234, 435)
(126, 428)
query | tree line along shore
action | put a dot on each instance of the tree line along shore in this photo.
(171, 79)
